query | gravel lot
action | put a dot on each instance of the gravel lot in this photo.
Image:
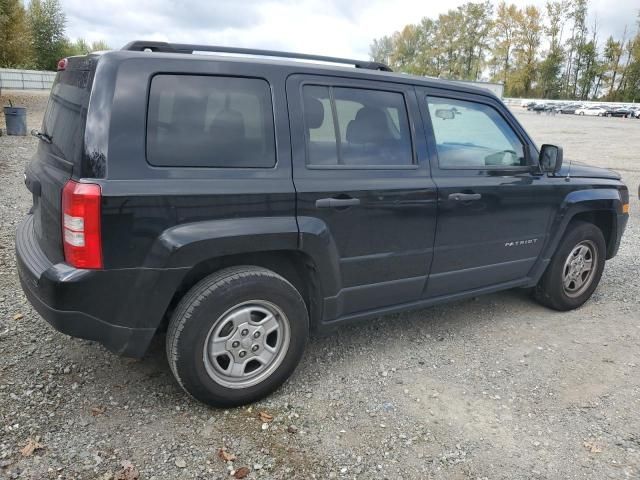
(492, 388)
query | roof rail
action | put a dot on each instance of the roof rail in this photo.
(144, 46)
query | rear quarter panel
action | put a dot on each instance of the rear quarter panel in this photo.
(141, 202)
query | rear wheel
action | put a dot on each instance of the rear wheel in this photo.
(237, 336)
(575, 269)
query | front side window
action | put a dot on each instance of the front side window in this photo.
(356, 127)
(473, 135)
(204, 121)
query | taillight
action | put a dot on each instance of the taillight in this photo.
(81, 225)
(62, 64)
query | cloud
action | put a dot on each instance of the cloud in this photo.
(325, 27)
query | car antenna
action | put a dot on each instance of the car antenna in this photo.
(568, 177)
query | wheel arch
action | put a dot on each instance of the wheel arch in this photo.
(297, 267)
(605, 220)
(299, 249)
(599, 206)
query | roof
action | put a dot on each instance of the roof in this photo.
(305, 64)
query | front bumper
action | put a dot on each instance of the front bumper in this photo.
(121, 309)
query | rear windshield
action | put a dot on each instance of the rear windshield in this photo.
(206, 121)
(66, 113)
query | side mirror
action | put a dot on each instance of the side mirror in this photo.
(551, 158)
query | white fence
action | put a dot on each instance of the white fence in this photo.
(12, 79)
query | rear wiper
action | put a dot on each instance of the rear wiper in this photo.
(42, 136)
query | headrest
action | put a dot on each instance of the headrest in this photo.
(369, 126)
(313, 111)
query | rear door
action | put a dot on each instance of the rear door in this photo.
(56, 160)
(494, 207)
(361, 171)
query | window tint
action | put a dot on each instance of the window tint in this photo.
(66, 114)
(370, 127)
(473, 135)
(199, 121)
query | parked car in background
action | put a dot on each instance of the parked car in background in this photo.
(618, 112)
(570, 108)
(635, 111)
(543, 107)
(594, 111)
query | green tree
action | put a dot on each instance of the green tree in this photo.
(629, 86)
(470, 41)
(475, 24)
(99, 46)
(448, 41)
(550, 68)
(575, 46)
(15, 39)
(527, 43)
(505, 28)
(611, 57)
(590, 68)
(405, 56)
(81, 47)
(429, 61)
(381, 49)
(47, 23)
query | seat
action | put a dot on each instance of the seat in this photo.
(369, 138)
(369, 126)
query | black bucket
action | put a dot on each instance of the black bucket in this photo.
(16, 120)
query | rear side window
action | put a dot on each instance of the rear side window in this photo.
(202, 121)
(66, 115)
(472, 135)
(356, 127)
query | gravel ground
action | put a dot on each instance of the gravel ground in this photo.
(492, 388)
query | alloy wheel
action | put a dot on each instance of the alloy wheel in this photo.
(246, 344)
(579, 268)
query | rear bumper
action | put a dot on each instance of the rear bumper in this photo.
(121, 309)
(132, 342)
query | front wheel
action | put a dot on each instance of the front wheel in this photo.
(575, 269)
(237, 336)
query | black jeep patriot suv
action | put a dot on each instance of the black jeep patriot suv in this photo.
(239, 202)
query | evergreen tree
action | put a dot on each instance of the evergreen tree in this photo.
(15, 48)
(47, 23)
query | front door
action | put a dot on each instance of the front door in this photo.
(493, 213)
(361, 171)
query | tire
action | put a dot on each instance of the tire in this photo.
(231, 308)
(551, 290)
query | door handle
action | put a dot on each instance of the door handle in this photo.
(337, 202)
(464, 197)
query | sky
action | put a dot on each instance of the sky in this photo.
(325, 27)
